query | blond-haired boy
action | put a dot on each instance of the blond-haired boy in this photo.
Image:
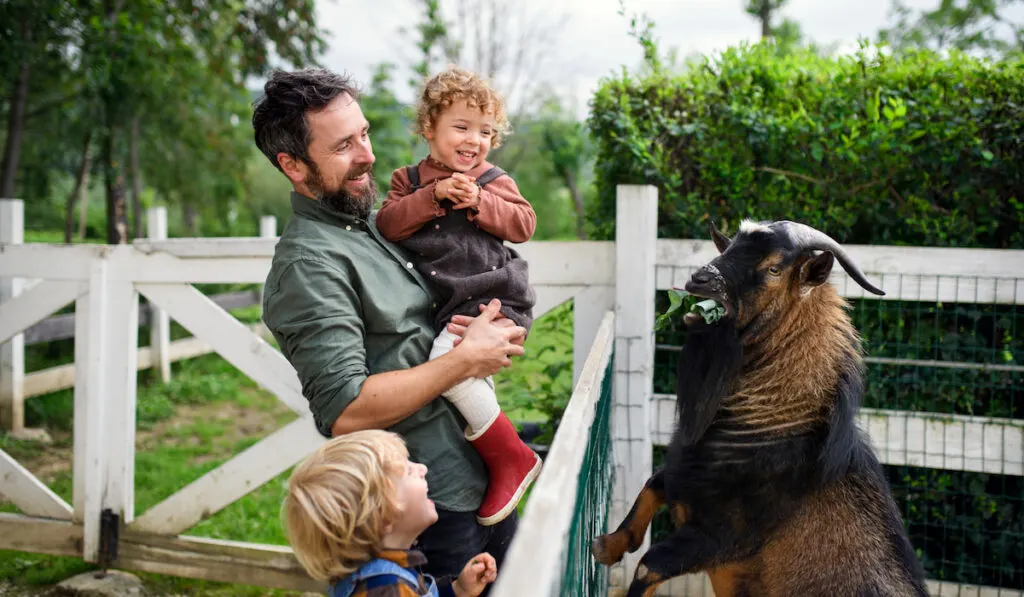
(352, 513)
(452, 211)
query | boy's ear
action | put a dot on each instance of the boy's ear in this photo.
(428, 132)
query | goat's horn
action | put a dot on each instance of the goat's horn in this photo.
(806, 237)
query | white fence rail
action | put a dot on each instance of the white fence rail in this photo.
(16, 384)
(535, 561)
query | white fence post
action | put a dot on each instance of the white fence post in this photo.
(588, 310)
(268, 229)
(122, 353)
(636, 231)
(268, 226)
(12, 352)
(159, 322)
(106, 353)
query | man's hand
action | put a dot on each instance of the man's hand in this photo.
(460, 323)
(486, 344)
(479, 572)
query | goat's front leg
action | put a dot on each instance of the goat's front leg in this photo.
(688, 549)
(609, 549)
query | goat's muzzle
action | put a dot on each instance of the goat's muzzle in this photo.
(708, 283)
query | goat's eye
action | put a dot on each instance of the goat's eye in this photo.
(775, 270)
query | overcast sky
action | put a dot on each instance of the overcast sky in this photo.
(594, 41)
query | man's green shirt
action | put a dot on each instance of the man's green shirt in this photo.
(343, 304)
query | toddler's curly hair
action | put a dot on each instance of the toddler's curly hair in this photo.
(456, 84)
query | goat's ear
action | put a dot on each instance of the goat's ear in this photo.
(815, 271)
(721, 241)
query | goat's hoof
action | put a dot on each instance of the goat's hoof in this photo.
(607, 549)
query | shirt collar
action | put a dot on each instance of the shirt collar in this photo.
(406, 558)
(318, 211)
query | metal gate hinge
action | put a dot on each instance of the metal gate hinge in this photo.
(109, 528)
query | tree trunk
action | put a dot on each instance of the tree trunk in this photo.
(577, 201)
(81, 182)
(15, 128)
(117, 224)
(133, 159)
(766, 20)
(190, 219)
(83, 207)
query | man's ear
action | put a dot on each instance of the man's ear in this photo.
(815, 271)
(293, 168)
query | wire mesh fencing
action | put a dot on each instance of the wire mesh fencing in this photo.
(944, 409)
(569, 503)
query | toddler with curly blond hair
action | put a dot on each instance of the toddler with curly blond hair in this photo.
(452, 212)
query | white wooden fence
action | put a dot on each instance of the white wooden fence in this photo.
(17, 384)
(105, 283)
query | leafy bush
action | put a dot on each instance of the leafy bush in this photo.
(915, 150)
(537, 388)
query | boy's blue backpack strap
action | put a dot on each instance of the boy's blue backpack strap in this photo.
(376, 567)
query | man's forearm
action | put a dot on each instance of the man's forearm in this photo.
(387, 398)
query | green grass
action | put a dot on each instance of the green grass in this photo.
(57, 236)
(203, 417)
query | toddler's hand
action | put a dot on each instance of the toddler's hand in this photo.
(479, 572)
(443, 189)
(465, 193)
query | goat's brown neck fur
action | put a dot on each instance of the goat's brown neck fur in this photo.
(792, 364)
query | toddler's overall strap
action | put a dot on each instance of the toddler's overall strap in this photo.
(414, 176)
(492, 173)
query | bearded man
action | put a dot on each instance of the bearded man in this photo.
(354, 317)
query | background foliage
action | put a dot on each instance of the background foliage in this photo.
(915, 149)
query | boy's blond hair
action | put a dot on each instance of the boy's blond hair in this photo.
(340, 499)
(453, 85)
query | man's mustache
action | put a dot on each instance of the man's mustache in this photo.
(356, 172)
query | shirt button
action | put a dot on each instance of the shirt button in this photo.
(494, 267)
(433, 273)
(409, 265)
(434, 305)
(437, 226)
(348, 228)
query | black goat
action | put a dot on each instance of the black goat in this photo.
(772, 488)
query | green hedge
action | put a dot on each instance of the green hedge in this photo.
(916, 150)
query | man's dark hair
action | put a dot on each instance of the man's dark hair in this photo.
(279, 117)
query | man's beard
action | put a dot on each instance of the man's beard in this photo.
(358, 205)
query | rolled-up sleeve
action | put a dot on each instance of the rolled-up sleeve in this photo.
(314, 314)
